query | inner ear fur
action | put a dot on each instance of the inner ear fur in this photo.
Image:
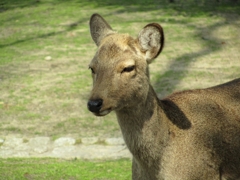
(151, 41)
(99, 28)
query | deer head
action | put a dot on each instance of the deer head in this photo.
(120, 66)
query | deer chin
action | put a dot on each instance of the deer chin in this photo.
(103, 113)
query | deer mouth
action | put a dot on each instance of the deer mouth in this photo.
(96, 107)
(103, 113)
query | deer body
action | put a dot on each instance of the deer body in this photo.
(188, 135)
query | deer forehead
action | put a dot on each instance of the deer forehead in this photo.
(116, 50)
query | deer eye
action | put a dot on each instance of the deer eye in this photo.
(128, 69)
(93, 72)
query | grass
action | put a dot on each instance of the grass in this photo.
(52, 169)
(45, 49)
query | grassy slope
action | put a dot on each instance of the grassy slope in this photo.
(45, 48)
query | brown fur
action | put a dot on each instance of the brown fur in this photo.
(189, 135)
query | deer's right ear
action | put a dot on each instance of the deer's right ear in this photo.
(99, 28)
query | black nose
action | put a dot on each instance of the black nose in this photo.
(95, 105)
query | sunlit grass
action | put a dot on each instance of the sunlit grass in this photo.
(53, 169)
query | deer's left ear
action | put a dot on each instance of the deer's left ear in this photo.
(99, 28)
(151, 41)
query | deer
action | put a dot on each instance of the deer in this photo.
(188, 135)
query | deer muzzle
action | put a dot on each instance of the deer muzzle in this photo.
(95, 105)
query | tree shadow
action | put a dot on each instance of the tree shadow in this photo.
(69, 27)
(188, 8)
(185, 60)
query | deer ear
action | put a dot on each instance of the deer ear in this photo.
(151, 41)
(99, 28)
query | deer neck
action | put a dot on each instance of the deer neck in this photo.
(143, 126)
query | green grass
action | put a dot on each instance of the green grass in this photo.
(53, 169)
(45, 49)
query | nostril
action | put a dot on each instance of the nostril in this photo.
(95, 105)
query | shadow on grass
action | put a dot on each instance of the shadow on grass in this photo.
(188, 8)
(212, 44)
(68, 28)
